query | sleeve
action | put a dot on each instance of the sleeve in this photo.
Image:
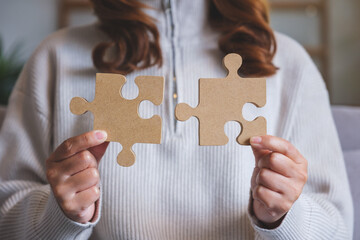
(28, 208)
(324, 210)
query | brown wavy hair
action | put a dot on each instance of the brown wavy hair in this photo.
(244, 27)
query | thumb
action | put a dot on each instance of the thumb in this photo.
(99, 151)
(257, 149)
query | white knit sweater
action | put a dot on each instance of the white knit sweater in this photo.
(175, 190)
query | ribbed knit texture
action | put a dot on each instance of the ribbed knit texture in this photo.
(175, 190)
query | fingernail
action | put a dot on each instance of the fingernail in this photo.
(255, 140)
(100, 135)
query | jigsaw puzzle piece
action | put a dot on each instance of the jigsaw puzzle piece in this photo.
(221, 100)
(211, 133)
(131, 128)
(256, 127)
(126, 157)
(183, 112)
(143, 131)
(119, 117)
(138, 130)
(232, 62)
(257, 95)
(148, 130)
(151, 88)
(107, 90)
(79, 105)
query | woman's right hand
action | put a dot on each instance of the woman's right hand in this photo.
(72, 171)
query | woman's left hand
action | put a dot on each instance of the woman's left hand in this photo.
(279, 176)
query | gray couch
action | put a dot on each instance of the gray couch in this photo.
(347, 120)
(2, 114)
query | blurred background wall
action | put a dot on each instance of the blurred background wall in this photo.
(327, 28)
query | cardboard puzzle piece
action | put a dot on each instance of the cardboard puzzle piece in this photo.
(119, 117)
(222, 100)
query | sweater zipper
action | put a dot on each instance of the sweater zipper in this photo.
(173, 84)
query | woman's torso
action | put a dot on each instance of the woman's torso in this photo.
(176, 189)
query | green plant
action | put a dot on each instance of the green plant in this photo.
(10, 68)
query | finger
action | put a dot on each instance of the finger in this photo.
(273, 201)
(259, 152)
(99, 151)
(253, 178)
(79, 143)
(78, 163)
(83, 180)
(272, 180)
(84, 216)
(276, 144)
(278, 163)
(87, 197)
(75, 211)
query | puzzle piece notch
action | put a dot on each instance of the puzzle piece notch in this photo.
(222, 100)
(119, 117)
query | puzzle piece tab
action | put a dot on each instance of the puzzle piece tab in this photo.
(119, 117)
(222, 100)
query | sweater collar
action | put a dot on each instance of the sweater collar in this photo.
(181, 20)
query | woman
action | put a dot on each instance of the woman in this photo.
(292, 186)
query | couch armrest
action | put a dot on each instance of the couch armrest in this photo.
(347, 120)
